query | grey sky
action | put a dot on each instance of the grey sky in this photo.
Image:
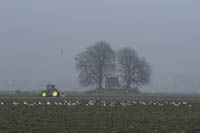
(33, 33)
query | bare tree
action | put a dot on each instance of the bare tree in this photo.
(95, 63)
(134, 71)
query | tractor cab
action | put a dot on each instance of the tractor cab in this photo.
(51, 86)
(50, 91)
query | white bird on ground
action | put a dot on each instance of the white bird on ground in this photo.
(112, 103)
(48, 103)
(91, 103)
(143, 103)
(78, 103)
(15, 103)
(103, 103)
(60, 103)
(190, 106)
(179, 103)
(150, 103)
(32, 104)
(134, 102)
(73, 104)
(122, 103)
(176, 105)
(69, 103)
(184, 103)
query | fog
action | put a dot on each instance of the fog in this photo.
(39, 40)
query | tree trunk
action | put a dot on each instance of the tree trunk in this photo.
(128, 85)
(100, 85)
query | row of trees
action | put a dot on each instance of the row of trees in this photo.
(100, 61)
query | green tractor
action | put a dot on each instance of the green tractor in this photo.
(50, 91)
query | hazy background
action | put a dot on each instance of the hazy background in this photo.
(40, 38)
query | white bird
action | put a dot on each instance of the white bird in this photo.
(112, 103)
(150, 103)
(69, 103)
(60, 103)
(143, 103)
(48, 103)
(134, 102)
(15, 103)
(176, 105)
(173, 103)
(154, 103)
(78, 103)
(123, 103)
(190, 106)
(91, 103)
(103, 103)
(179, 103)
(73, 104)
(184, 103)
(32, 104)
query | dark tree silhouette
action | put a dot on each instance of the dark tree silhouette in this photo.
(134, 71)
(95, 63)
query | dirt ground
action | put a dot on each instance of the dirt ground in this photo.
(30, 116)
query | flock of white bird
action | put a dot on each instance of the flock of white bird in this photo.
(102, 103)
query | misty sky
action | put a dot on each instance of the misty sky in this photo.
(34, 32)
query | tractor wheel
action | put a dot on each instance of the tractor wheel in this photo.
(44, 94)
(55, 94)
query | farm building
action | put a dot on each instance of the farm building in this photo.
(112, 82)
